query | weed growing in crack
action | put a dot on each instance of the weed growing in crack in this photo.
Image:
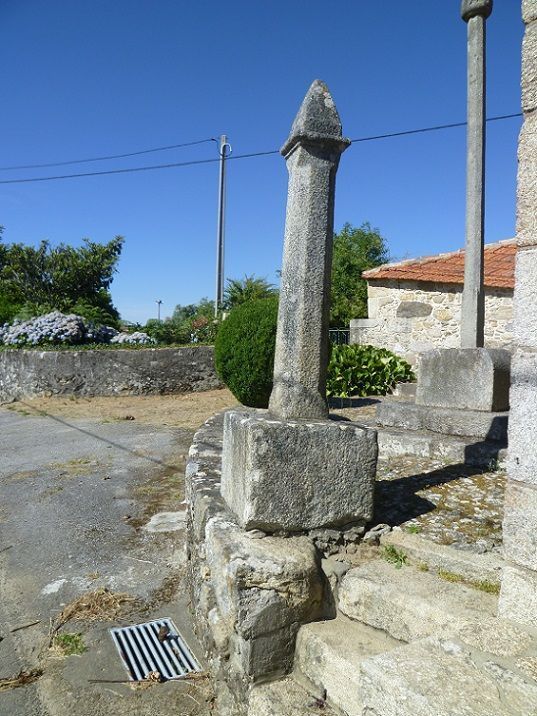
(482, 585)
(395, 556)
(69, 644)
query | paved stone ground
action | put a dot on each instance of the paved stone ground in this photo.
(456, 505)
(76, 497)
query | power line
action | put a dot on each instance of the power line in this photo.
(110, 171)
(239, 156)
(136, 169)
(430, 129)
(109, 156)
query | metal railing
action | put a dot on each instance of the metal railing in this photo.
(339, 336)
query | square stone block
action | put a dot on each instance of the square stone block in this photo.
(465, 378)
(261, 583)
(526, 227)
(529, 68)
(520, 524)
(522, 453)
(518, 596)
(293, 475)
(525, 298)
(529, 10)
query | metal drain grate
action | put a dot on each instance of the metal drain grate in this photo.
(142, 652)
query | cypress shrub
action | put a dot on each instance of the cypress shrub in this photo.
(244, 351)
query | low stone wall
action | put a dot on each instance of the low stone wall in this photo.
(147, 371)
(250, 592)
(410, 318)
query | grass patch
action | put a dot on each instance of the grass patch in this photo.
(486, 586)
(395, 556)
(77, 466)
(99, 605)
(482, 585)
(69, 644)
(23, 678)
(413, 529)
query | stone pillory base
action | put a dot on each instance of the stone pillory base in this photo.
(465, 378)
(297, 475)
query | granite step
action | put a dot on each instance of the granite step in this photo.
(470, 566)
(328, 656)
(409, 604)
(451, 448)
(285, 698)
(448, 421)
(445, 678)
(405, 390)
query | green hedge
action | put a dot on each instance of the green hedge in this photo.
(244, 355)
(244, 351)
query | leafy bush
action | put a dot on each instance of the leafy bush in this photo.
(167, 332)
(244, 355)
(8, 308)
(203, 329)
(194, 323)
(244, 351)
(365, 370)
(54, 328)
(137, 338)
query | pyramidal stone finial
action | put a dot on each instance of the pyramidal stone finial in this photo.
(475, 8)
(317, 120)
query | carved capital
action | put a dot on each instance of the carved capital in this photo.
(475, 8)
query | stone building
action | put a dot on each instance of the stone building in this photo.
(415, 305)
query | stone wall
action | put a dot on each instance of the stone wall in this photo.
(147, 371)
(409, 318)
(518, 597)
(250, 592)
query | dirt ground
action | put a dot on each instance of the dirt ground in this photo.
(92, 499)
(182, 411)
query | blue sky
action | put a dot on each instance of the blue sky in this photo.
(83, 79)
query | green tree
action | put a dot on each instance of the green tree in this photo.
(193, 323)
(44, 278)
(250, 288)
(355, 250)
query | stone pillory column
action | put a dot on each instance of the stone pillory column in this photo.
(312, 154)
(291, 469)
(471, 377)
(475, 13)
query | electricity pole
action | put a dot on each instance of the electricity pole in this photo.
(220, 232)
(159, 304)
(475, 14)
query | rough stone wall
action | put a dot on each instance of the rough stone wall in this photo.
(250, 592)
(148, 371)
(409, 318)
(518, 597)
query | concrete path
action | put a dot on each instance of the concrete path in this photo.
(77, 500)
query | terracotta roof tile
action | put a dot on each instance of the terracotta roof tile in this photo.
(449, 268)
